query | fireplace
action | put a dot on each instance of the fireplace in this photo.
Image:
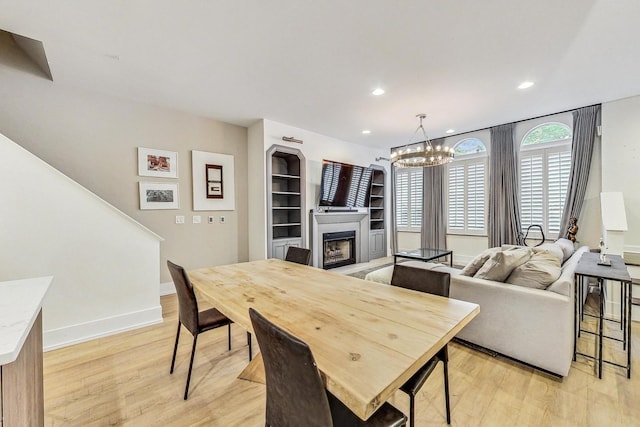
(338, 249)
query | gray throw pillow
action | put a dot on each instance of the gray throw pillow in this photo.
(501, 264)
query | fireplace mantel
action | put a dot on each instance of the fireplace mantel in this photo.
(335, 221)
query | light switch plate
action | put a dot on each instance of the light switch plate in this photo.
(211, 219)
(197, 219)
(221, 219)
(179, 219)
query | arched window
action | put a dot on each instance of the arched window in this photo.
(545, 166)
(467, 188)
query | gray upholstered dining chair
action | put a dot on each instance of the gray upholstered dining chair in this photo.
(298, 255)
(195, 321)
(296, 395)
(437, 283)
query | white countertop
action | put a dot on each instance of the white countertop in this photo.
(20, 303)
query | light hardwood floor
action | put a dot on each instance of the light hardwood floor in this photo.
(124, 380)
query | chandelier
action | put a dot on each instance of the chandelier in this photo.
(421, 154)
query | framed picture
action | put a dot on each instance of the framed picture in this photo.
(214, 182)
(157, 163)
(159, 195)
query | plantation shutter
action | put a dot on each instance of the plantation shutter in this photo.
(558, 170)
(402, 198)
(415, 198)
(456, 197)
(531, 190)
(475, 196)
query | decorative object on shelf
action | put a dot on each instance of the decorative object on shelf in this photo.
(420, 154)
(214, 182)
(157, 163)
(210, 172)
(603, 257)
(291, 139)
(159, 195)
(572, 229)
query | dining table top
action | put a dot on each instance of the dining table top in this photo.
(367, 338)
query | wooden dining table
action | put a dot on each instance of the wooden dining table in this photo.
(367, 338)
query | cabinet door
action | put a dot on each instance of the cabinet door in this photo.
(377, 245)
(279, 249)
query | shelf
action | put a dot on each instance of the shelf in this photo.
(285, 193)
(281, 175)
(290, 224)
(286, 207)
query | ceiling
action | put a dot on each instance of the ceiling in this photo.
(313, 64)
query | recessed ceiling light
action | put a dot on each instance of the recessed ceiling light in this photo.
(451, 131)
(525, 85)
(377, 92)
(366, 132)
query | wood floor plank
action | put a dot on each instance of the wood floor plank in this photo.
(124, 380)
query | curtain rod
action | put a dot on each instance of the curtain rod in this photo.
(514, 122)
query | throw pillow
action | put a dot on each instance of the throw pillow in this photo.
(475, 264)
(541, 270)
(567, 247)
(556, 250)
(501, 264)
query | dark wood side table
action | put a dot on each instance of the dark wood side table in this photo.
(617, 272)
(424, 254)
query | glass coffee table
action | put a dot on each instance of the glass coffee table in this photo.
(424, 254)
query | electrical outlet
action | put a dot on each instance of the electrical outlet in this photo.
(197, 219)
(179, 219)
(221, 219)
(211, 219)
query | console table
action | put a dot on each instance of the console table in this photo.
(22, 399)
(616, 272)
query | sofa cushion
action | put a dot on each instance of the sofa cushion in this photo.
(475, 264)
(541, 270)
(501, 264)
(567, 247)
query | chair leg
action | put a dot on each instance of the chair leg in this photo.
(445, 366)
(175, 348)
(193, 353)
(229, 335)
(412, 410)
(249, 344)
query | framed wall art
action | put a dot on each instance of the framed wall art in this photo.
(159, 195)
(157, 163)
(213, 181)
(215, 187)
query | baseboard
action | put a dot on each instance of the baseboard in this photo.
(167, 288)
(75, 334)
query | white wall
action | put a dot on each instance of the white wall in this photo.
(621, 160)
(105, 265)
(315, 148)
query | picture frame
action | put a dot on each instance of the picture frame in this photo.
(200, 183)
(215, 186)
(157, 163)
(159, 195)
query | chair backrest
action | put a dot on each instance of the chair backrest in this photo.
(421, 279)
(187, 302)
(296, 395)
(298, 255)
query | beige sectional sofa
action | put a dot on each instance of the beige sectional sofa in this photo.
(535, 326)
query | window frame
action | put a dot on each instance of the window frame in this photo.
(465, 160)
(544, 149)
(410, 210)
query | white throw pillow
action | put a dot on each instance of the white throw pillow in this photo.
(540, 271)
(476, 263)
(501, 264)
(567, 247)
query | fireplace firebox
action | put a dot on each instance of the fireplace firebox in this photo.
(338, 249)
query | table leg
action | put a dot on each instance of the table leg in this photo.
(451, 260)
(629, 285)
(395, 260)
(600, 321)
(576, 324)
